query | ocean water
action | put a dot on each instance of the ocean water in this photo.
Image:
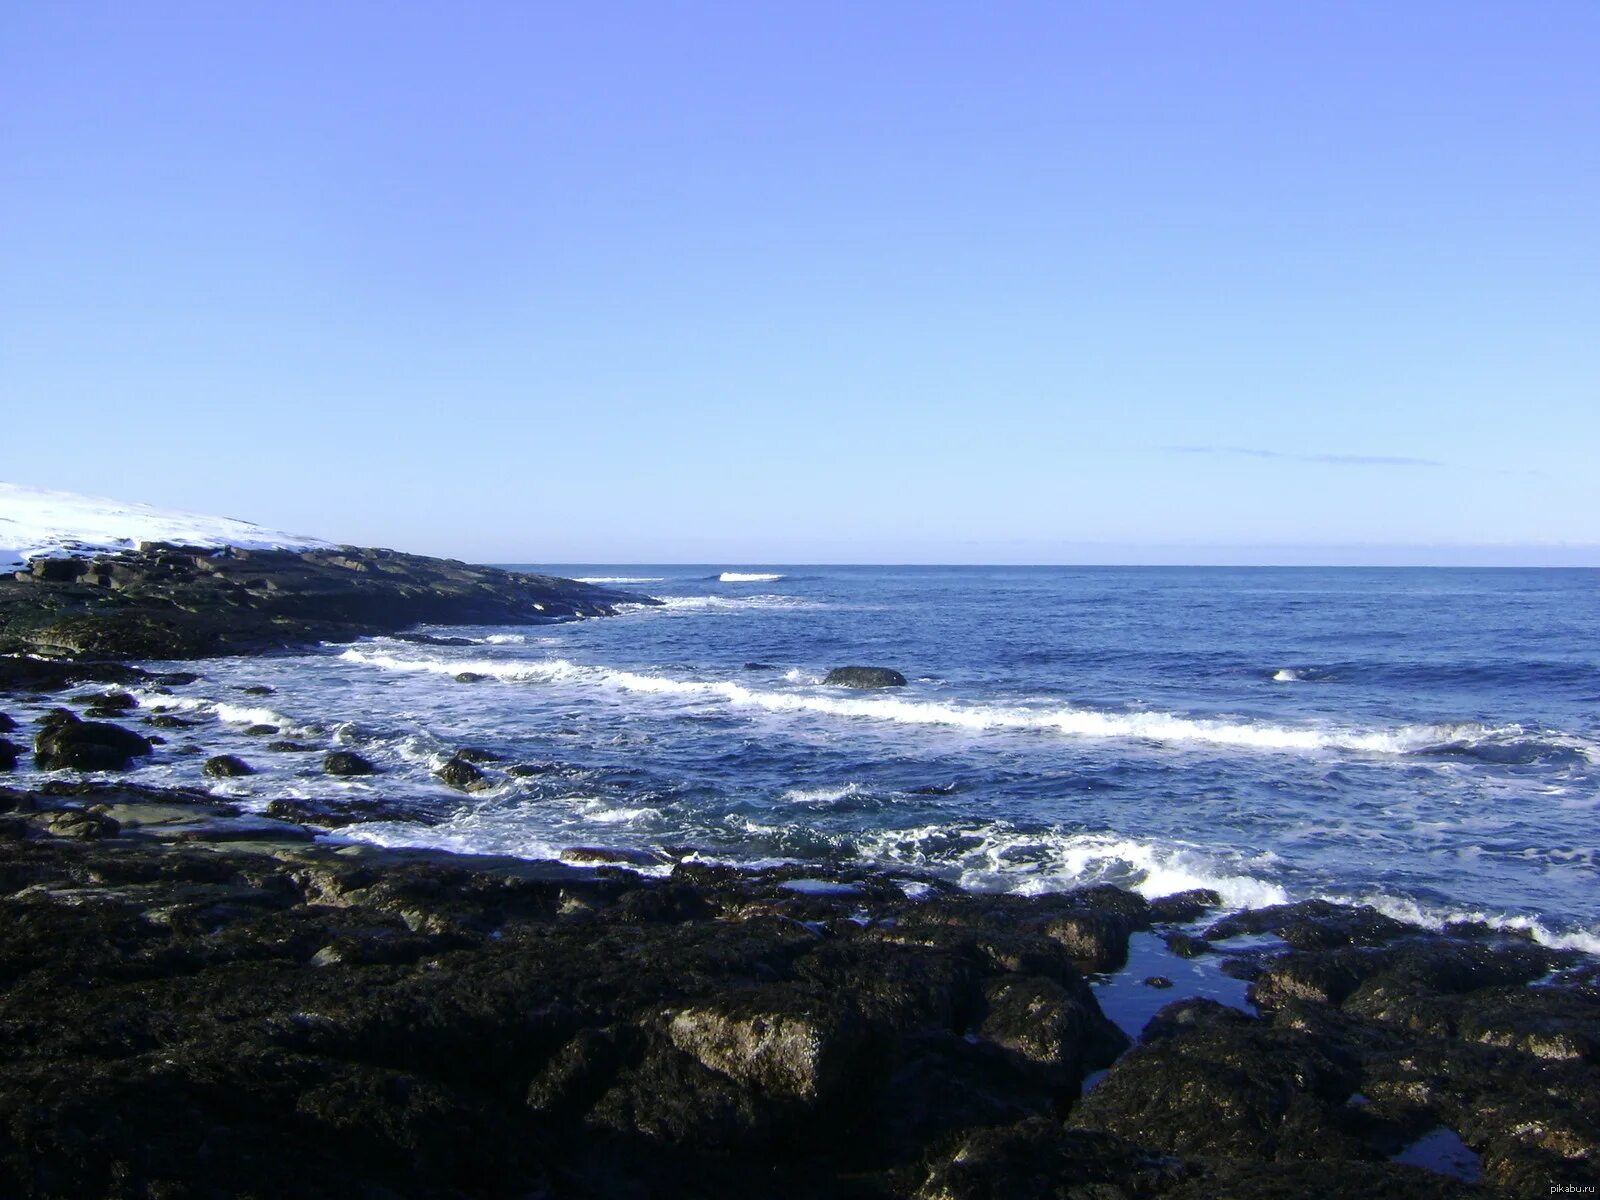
(1427, 740)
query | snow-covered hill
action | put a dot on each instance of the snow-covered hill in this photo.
(38, 523)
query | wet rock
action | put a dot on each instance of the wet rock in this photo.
(784, 1043)
(1186, 945)
(1157, 981)
(177, 678)
(113, 701)
(9, 753)
(261, 730)
(1313, 925)
(1096, 940)
(6, 723)
(83, 824)
(290, 747)
(1182, 907)
(168, 721)
(1051, 1024)
(475, 754)
(347, 762)
(258, 689)
(463, 776)
(429, 639)
(1215, 1085)
(335, 814)
(1039, 1160)
(470, 677)
(226, 766)
(864, 677)
(64, 741)
(610, 854)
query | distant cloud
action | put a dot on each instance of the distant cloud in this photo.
(1346, 460)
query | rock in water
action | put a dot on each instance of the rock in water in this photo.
(865, 677)
(65, 741)
(9, 751)
(463, 776)
(227, 766)
(344, 762)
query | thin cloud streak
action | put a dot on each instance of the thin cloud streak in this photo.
(1343, 460)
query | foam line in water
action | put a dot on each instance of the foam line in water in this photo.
(748, 577)
(1158, 727)
(618, 579)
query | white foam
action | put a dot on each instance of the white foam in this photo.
(223, 710)
(505, 639)
(39, 523)
(618, 579)
(999, 857)
(748, 577)
(831, 794)
(1287, 675)
(688, 604)
(1436, 917)
(1157, 727)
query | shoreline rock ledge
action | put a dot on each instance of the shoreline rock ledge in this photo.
(162, 600)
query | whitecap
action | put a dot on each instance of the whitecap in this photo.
(748, 577)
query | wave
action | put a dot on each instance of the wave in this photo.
(1436, 917)
(682, 604)
(747, 577)
(1506, 743)
(618, 579)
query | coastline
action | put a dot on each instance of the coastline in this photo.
(342, 1017)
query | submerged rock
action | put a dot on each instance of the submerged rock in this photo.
(864, 677)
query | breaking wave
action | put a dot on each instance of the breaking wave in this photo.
(1507, 743)
(748, 577)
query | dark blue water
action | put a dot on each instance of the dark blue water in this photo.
(1425, 739)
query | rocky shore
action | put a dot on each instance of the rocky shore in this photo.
(199, 1001)
(202, 1001)
(163, 601)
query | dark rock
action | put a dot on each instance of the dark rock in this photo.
(114, 701)
(1182, 907)
(25, 673)
(261, 730)
(428, 639)
(1096, 940)
(470, 677)
(760, 666)
(610, 854)
(288, 747)
(6, 723)
(64, 741)
(258, 689)
(9, 753)
(1186, 945)
(1221, 1086)
(1314, 925)
(865, 677)
(227, 766)
(473, 754)
(463, 776)
(83, 824)
(1051, 1024)
(177, 678)
(347, 762)
(168, 721)
(1157, 981)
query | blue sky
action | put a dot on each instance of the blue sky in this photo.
(815, 281)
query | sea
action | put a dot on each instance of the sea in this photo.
(1423, 740)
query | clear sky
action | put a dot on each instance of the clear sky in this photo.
(812, 281)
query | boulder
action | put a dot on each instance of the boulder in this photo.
(1051, 1025)
(6, 723)
(347, 762)
(463, 776)
(66, 742)
(227, 766)
(864, 677)
(9, 751)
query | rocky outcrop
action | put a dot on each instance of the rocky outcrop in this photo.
(347, 762)
(163, 601)
(201, 1001)
(864, 677)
